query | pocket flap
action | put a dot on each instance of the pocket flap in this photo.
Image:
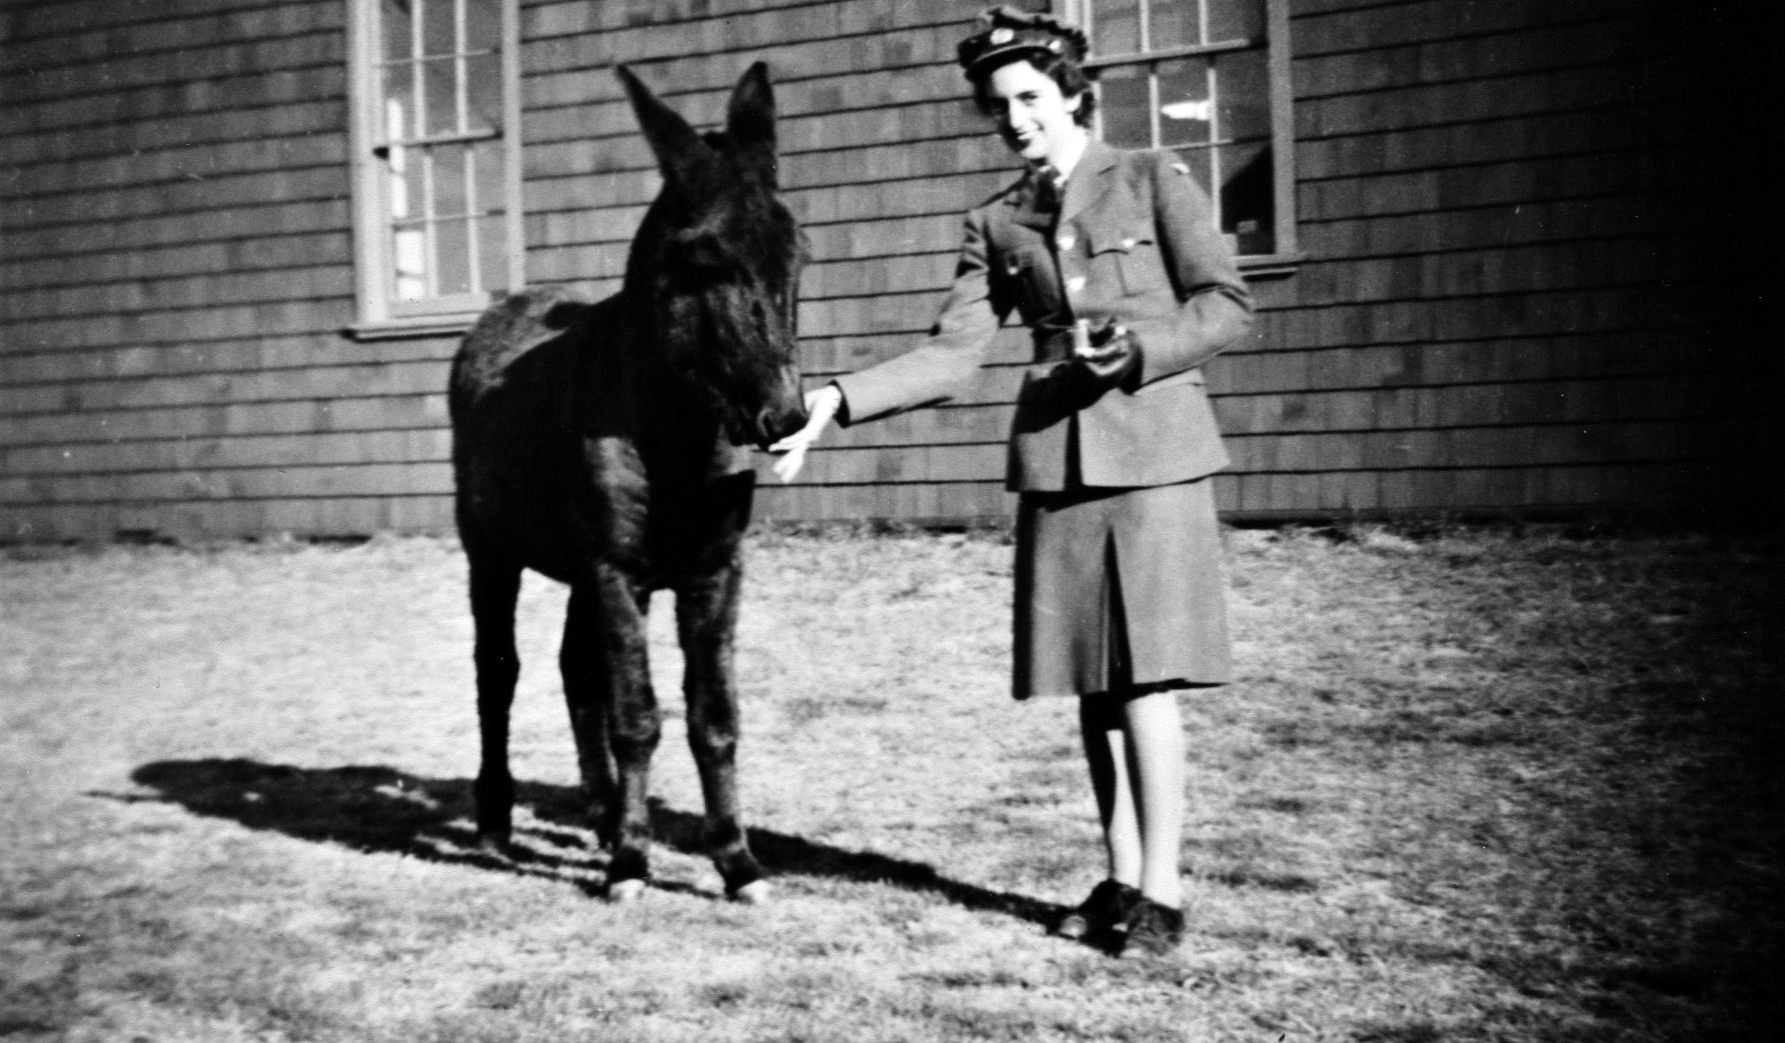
(1123, 239)
(1192, 375)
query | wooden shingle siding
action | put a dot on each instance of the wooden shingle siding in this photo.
(1524, 235)
(1499, 309)
(1491, 199)
(177, 267)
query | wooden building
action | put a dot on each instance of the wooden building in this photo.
(1512, 254)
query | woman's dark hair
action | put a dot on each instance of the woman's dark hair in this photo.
(1066, 74)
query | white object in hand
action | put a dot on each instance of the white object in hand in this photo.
(821, 405)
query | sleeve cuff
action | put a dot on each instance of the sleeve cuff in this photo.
(842, 417)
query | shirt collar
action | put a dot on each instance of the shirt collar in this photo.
(1069, 159)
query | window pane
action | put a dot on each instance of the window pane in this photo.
(1248, 197)
(1123, 101)
(1197, 159)
(409, 263)
(492, 255)
(483, 25)
(1173, 23)
(1244, 86)
(483, 81)
(408, 197)
(437, 31)
(397, 28)
(488, 158)
(440, 81)
(1185, 108)
(1236, 20)
(449, 179)
(451, 255)
(400, 118)
(1115, 27)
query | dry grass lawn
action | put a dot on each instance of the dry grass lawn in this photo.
(1500, 784)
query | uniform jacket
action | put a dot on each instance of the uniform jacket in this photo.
(1134, 241)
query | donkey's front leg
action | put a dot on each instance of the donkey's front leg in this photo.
(706, 619)
(588, 693)
(635, 726)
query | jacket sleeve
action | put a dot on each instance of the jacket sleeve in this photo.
(1215, 307)
(947, 363)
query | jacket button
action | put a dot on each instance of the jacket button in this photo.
(1065, 242)
(1075, 284)
(1127, 244)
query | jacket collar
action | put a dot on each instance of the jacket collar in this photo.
(1089, 180)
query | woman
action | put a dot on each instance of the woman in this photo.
(1113, 261)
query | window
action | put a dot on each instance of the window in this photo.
(1208, 79)
(437, 187)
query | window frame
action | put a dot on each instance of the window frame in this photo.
(379, 315)
(1286, 254)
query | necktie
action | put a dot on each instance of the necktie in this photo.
(1050, 189)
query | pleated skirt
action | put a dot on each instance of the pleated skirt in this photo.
(1119, 590)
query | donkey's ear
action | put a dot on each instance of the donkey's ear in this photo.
(677, 147)
(750, 118)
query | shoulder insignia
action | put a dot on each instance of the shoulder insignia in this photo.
(1181, 168)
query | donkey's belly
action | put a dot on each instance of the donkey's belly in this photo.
(568, 511)
(542, 518)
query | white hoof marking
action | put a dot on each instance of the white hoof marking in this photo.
(755, 892)
(625, 891)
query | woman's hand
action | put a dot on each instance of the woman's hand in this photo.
(821, 406)
(1113, 361)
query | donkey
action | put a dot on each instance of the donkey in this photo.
(602, 445)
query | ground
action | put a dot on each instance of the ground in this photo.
(1508, 783)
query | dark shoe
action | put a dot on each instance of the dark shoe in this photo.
(1107, 907)
(1153, 929)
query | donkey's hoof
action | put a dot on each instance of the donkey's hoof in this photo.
(496, 845)
(756, 892)
(622, 891)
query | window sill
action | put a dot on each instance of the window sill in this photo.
(1271, 266)
(451, 324)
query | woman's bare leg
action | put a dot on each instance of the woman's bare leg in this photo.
(1155, 754)
(1103, 726)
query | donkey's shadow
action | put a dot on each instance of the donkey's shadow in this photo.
(379, 809)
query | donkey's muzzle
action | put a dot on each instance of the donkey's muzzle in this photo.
(774, 424)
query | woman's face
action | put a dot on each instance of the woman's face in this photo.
(1034, 118)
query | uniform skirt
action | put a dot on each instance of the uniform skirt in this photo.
(1119, 589)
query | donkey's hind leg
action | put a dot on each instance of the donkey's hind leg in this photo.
(495, 586)
(588, 694)
(706, 620)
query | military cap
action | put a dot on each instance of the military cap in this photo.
(1003, 32)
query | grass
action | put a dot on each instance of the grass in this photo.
(1494, 784)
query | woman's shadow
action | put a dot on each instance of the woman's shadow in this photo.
(380, 809)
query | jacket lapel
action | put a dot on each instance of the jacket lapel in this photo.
(1089, 180)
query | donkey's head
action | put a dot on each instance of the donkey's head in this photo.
(717, 261)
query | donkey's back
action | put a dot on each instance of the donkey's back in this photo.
(522, 413)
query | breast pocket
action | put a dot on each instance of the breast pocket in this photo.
(1133, 250)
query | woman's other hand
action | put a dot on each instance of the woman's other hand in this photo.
(821, 406)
